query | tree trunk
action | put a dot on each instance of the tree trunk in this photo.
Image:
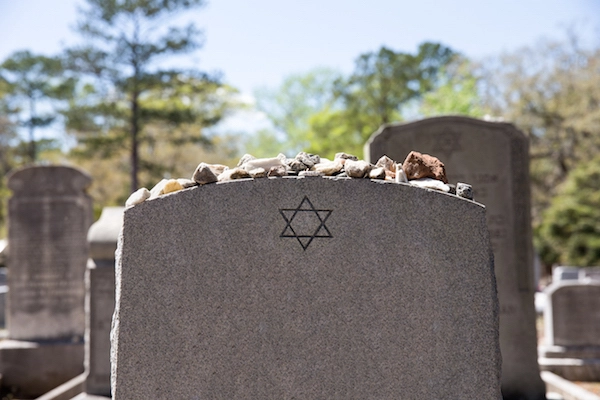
(134, 140)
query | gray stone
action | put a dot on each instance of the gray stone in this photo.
(429, 183)
(357, 169)
(100, 299)
(493, 157)
(464, 190)
(245, 158)
(265, 163)
(302, 312)
(345, 156)
(204, 174)
(49, 216)
(311, 173)
(232, 174)
(138, 197)
(572, 330)
(277, 171)
(329, 168)
(296, 165)
(186, 183)
(258, 173)
(32, 368)
(377, 173)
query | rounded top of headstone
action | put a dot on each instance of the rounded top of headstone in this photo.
(439, 123)
(103, 234)
(48, 180)
(559, 286)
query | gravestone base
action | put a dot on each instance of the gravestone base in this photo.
(30, 369)
(575, 363)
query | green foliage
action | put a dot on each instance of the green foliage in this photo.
(34, 87)
(457, 92)
(291, 107)
(323, 112)
(570, 230)
(552, 93)
(128, 97)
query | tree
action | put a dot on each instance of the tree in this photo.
(552, 93)
(457, 92)
(33, 84)
(569, 233)
(385, 81)
(128, 90)
(291, 106)
(323, 112)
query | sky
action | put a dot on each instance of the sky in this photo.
(257, 43)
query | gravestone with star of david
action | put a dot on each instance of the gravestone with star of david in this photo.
(494, 158)
(307, 288)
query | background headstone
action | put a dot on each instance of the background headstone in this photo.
(100, 299)
(305, 288)
(572, 330)
(49, 215)
(494, 158)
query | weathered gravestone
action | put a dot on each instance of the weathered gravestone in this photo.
(493, 157)
(100, 299)
(49, 215)
(572, 330)
(305, 288)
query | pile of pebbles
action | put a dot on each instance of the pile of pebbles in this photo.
(417, 169)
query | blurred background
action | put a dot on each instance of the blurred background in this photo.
(136, 91)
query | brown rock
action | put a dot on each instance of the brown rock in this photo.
(417, 166)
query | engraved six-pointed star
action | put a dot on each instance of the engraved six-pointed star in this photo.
(305, 223)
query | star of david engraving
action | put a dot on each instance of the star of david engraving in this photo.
(305, 223)
(447, 143)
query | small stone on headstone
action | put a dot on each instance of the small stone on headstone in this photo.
(258, 173)
(377, 173)
(245, 158)
(171, 186)
(464, 190)
(357, 169)
(204, 174)
(186, 183)
(430, 183)
(232, 174)
(345, 156)
(277, 171)
(330, 167)
(417, 165)
(137, 197)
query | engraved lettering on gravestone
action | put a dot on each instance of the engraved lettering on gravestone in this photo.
(305, 223)
(447, 143)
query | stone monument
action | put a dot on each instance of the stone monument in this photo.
(305, 287)
(49, 215)
(572, 330)
(100, 299)
(494, 158)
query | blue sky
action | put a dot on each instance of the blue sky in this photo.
(259, 42)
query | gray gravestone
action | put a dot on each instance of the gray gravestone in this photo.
(572, 330)
(49, 215)
(493, 157)
(305, 288)
(100, 299)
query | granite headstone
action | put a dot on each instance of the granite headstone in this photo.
(305, 287)
(100, 299)
(49, 215)
(572, 330)
(494, 158)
